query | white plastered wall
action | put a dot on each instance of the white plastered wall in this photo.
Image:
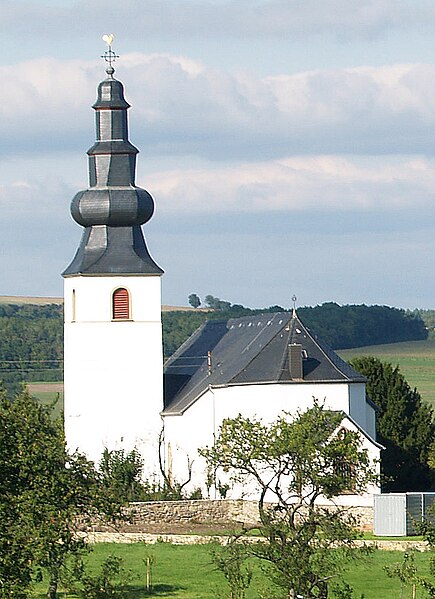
(113, 369)
(200, 422)
(184, 435)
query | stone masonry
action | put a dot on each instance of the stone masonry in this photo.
(189, 515)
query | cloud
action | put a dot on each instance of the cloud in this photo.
(354, 229)
(296, 184)
(303, 183)
(341, 140)
(23, 198)
(181, 106)
(44, 104)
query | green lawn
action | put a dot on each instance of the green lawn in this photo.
(186, 572)
(53, 400)
(415, 358)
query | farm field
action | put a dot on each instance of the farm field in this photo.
(415, 358)
(48, 394)
(186, 572)
(38, 301)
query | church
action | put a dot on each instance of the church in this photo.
(118, 392)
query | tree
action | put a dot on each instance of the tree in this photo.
(121, 474)
(360, 325)
(16, 543)
(194, 300)
(431, 463)
(294, 463)
(31, 339)
(43, 493)
(405, 426)
(110, 581)
(217, 304)
(61, 495)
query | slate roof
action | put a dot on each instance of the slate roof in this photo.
(113, 208)
(112, 251)
(248, 350)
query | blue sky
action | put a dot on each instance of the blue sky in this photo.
(289, 144)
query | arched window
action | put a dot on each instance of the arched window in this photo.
(120, 304)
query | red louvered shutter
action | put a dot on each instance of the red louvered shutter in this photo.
(121, 304)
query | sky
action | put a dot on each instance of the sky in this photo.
(289, 144)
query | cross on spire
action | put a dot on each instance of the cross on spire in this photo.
(109, 55)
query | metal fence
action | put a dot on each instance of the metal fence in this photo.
(397, 514)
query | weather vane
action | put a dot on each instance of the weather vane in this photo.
(109, 55)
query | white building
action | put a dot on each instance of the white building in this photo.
(113, 333)
(258, 366)
(114, 395)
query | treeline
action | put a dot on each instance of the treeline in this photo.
(341, 327)
(31, 336)
(31, 343)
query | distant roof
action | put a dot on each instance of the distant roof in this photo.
(248, 350)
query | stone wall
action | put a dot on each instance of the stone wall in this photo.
(229, 513)
(365, 517)
(197, 511)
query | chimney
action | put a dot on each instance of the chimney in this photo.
(295, 361)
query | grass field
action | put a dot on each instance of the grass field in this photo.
(415, 358)
(48, 394)
(186, 572)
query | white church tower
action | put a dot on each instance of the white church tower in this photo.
(113, 333)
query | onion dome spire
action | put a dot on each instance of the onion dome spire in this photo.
(113, 209)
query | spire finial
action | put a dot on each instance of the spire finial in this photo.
(294, 299)
(109, 55)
